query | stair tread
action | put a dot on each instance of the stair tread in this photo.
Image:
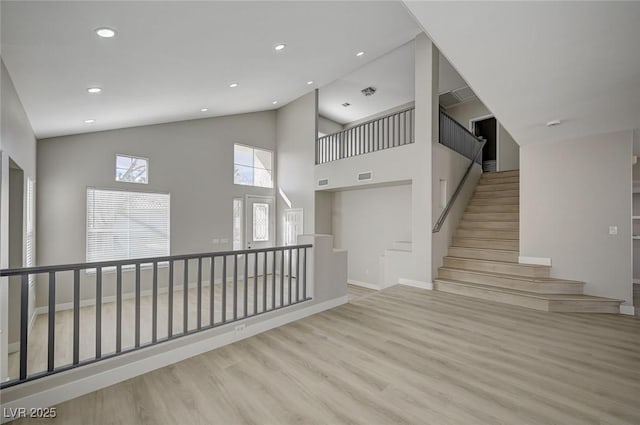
(533, 266)
(484, 249)
(516, 277)
(485, 240)
(549, 297)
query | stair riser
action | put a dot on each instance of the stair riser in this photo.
(512, 200)
(499, 180)
(490, 187)
(490, 225)
(488, 295)
(484, 209)
(491, 216)
(484, 254)
(501, 175)
(504, 268)
(611, 307)
(512, 245)
(486, 234)
(518, 284)
(497, 194)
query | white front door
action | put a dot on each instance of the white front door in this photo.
(260, 221)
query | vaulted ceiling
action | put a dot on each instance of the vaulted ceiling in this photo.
(170, 59)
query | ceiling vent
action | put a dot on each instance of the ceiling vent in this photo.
(368, 91)
(456, 96)
(346, 104)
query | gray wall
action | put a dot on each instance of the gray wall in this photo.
(570, 193)
(17, 142)
(191, 160)
(367, 221)
(296, 135)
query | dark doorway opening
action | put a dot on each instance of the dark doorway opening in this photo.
(486, 128)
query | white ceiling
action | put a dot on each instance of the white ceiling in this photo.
(169, 59)
(532, 62)
(393, 75)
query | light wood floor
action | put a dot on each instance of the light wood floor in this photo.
(399, 356)
(38, 342)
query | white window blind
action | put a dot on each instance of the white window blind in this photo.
(123, 225)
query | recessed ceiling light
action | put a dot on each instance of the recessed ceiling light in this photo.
(279, 47)
(94, 89)
(105, 32)
(91, 121)
(204, 110)
(275, 102)
(233, 85)
(309, 82)
(553, 122)
(360, 54)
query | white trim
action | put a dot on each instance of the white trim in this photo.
(67, 391)
(415, 283)
(364, 284)
(539, 261)
(627, 309)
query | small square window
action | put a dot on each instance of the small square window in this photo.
(132, 169)
(252, 166)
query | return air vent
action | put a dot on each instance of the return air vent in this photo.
(323, 182)
(456, 96)
(365, 176)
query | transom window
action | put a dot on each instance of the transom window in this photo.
(252, 166)
(132, 169)
(122, 225)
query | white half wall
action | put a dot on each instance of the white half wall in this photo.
(571, 192)
(449, 166)
(366, 222)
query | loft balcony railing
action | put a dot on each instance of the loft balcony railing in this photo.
(456, 137)
(241, 284)
(390, 131)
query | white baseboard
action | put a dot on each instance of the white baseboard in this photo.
(64, 392)
(415, 283)
(627, 309)
(363, 284)
(539, 261)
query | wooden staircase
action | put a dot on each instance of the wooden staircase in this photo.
(483, 259)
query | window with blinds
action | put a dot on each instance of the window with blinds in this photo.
(123, 225)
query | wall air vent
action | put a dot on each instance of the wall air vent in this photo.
(368, 91)
(323, 182)
(365, 176)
